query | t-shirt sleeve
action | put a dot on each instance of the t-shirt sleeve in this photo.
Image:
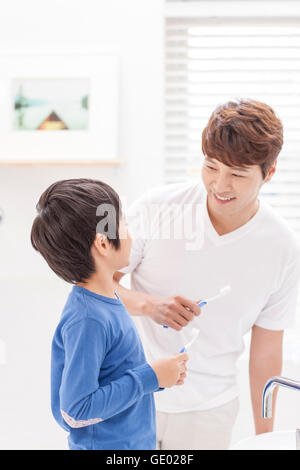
(82, 401)
(138, 220)
(279, 311)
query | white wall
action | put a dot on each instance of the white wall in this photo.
(31, 297)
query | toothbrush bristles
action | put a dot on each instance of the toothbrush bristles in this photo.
(225, 290)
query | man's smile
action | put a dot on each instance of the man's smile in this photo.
(223, 199)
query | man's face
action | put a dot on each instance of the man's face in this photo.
(232, 191)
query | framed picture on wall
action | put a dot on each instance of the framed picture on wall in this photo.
(59, 108)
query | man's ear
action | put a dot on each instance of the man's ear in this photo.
(271, 171)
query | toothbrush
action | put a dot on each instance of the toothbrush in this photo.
(189, 344)
(223, 291)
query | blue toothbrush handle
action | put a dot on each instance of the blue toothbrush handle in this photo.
(182, 350)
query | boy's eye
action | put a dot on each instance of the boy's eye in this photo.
(238, 176)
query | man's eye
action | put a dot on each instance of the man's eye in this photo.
(210, 167)
(238, 176)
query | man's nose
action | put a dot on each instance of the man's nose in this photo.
(222, 183)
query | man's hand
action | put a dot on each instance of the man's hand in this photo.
(175, 312)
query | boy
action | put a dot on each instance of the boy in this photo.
(244, 244)
(101, 385)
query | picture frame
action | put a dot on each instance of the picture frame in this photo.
(35, 132)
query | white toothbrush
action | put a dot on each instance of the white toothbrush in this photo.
(223, 291)
(189, 344)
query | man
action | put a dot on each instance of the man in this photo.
(240, 242)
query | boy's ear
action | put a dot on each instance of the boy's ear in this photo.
(271, 171)
(100, 243)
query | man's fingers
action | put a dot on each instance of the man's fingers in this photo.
(173, 324)
(187, 303)
(179, 315)
(181, 312)
(185, 315)
(198, 302)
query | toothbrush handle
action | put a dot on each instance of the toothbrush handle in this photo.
(182, 350)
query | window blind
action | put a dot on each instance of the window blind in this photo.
(208, 62)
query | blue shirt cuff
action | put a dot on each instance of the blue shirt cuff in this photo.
(147, 377)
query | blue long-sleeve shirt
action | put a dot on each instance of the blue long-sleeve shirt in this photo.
(101, 385)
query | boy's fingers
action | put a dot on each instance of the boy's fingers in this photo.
(182, 356)
(182, 365)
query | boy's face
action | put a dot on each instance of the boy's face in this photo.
(232, 191)
(123, 254)
(104, 251)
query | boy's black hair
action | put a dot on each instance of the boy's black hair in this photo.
(67, 223)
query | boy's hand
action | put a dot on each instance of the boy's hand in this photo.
(171, 370)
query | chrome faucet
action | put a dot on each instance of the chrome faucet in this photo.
(268, 394)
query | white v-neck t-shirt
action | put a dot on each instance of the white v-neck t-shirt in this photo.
(260, 261)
